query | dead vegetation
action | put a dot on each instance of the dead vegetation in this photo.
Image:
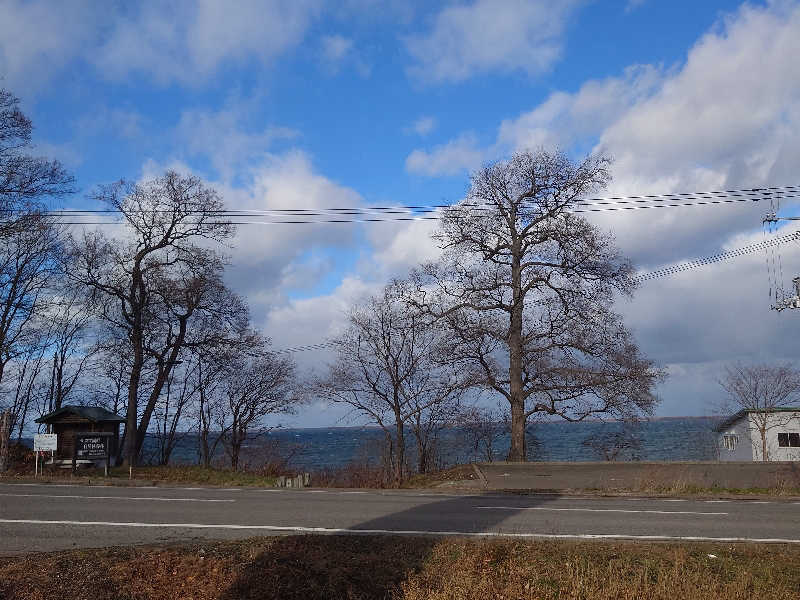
(408, 568)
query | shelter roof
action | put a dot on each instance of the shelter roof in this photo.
(95, 414)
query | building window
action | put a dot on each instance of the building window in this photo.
(729, 441)
(789, 440)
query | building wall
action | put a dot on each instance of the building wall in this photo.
(779, 422)
(744, 447)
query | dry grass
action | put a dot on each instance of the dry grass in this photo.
(683, 487)
(192, 474)
(605, 571)
(152, 475)
(409, 568)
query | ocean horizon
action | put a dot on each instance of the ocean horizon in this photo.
(313, 448)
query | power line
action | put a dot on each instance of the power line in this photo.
(419, 216)
(722, 256)
(418, 212)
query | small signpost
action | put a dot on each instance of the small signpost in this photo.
(92, 446)
(42, 442)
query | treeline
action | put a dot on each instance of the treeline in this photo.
(135, 316)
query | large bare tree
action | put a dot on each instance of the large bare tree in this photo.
(525, 287)
(159, 278)
(390, 369)
(760, 389)
(29, 238)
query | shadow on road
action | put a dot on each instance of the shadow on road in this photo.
(368, 566)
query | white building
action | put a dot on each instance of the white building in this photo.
(740, 436)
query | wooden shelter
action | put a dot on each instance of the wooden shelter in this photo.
(70, 421)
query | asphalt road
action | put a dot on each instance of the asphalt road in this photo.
(52, 517)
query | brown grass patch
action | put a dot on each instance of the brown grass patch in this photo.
(411, 568)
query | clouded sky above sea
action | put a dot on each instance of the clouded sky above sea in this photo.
(305, 104)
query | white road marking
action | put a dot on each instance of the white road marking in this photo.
(318, 491)
(716, 501)
(674, 500)
(352, 492)
(114, 498)
(614, 510)
(300, 529)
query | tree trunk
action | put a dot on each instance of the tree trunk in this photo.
(161, 379)
(422, 456)
(400, 456)
(131, 450)
(516, 398)
(236, 446)
(5, 434)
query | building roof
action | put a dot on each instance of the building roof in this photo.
(95, 414)
(742, 413)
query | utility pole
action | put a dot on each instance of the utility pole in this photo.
(791, 302)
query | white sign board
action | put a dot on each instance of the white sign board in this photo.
(45, 441)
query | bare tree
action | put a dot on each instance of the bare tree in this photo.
(525, 287)
(483, 429)
(179, 395)
(761, 389)
(159, 278)
(71, 317)
(390, 369)
(623, 443)
(29, 246)
(255, 384)
(24, 179)
(210, 413)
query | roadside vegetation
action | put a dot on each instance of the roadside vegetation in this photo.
(409, 568)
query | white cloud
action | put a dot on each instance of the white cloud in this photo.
(451, 158)
(423, 126)
(37, 38)
(335, 48)
(183, 41)
(118, 122)
(222, 136)
(486, 35)
(729, 117)
(565, 119)
(338, 51)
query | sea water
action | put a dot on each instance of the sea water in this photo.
(669, 439)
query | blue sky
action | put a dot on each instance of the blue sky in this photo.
(285, 104)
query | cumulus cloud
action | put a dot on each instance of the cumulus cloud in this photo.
(727, 117)
(37, 38)
(451, 158)
(470, 39)
(185, 42)
(223, 137)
